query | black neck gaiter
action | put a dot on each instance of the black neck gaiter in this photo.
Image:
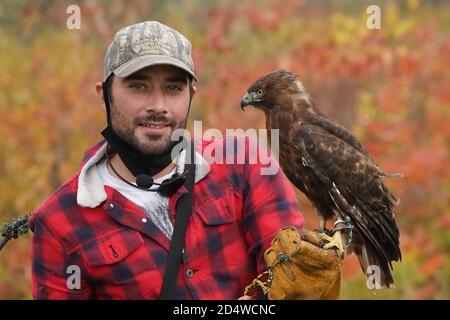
(137, 162)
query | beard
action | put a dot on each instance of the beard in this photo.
(148, 144)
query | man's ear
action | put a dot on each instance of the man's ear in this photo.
(99, 90)
(194, 90)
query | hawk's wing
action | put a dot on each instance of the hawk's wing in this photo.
(355, 187)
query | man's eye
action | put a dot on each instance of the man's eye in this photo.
(174, 87)
(138, 86)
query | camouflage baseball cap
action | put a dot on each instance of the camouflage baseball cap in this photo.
(145, 44)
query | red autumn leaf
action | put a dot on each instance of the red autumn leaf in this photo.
(432, 264)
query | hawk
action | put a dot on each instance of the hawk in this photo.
(334, 170)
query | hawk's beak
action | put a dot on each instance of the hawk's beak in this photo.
(247, 99)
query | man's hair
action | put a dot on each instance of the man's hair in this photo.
(110, 80)
(108, 86)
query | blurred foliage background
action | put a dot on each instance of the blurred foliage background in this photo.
(391, 87)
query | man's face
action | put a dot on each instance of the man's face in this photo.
(149, 105)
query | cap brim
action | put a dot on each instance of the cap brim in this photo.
(129, 67)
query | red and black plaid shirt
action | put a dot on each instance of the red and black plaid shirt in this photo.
(237, 212)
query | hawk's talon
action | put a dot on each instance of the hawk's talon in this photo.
(325, 231)
(333, 241)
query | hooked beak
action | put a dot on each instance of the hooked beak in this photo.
(248, 99)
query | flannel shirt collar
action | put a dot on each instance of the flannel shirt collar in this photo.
(91, 190)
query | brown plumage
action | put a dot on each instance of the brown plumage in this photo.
(331, 167)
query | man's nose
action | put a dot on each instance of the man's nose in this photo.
(156, 102)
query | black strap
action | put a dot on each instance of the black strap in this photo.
(183, 211)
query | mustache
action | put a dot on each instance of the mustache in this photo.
(156, 118)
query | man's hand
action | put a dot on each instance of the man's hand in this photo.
(298, 268)
(301, 269)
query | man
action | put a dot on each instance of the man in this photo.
(104, 235)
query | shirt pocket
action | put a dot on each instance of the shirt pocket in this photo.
(216, 212)
(119, 266)
(110, 248)
(217, 230)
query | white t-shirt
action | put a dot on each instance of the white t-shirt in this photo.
(155, 206)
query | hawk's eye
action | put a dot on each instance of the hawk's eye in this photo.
(260, 92)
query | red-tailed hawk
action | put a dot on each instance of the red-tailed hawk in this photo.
(333, 169)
